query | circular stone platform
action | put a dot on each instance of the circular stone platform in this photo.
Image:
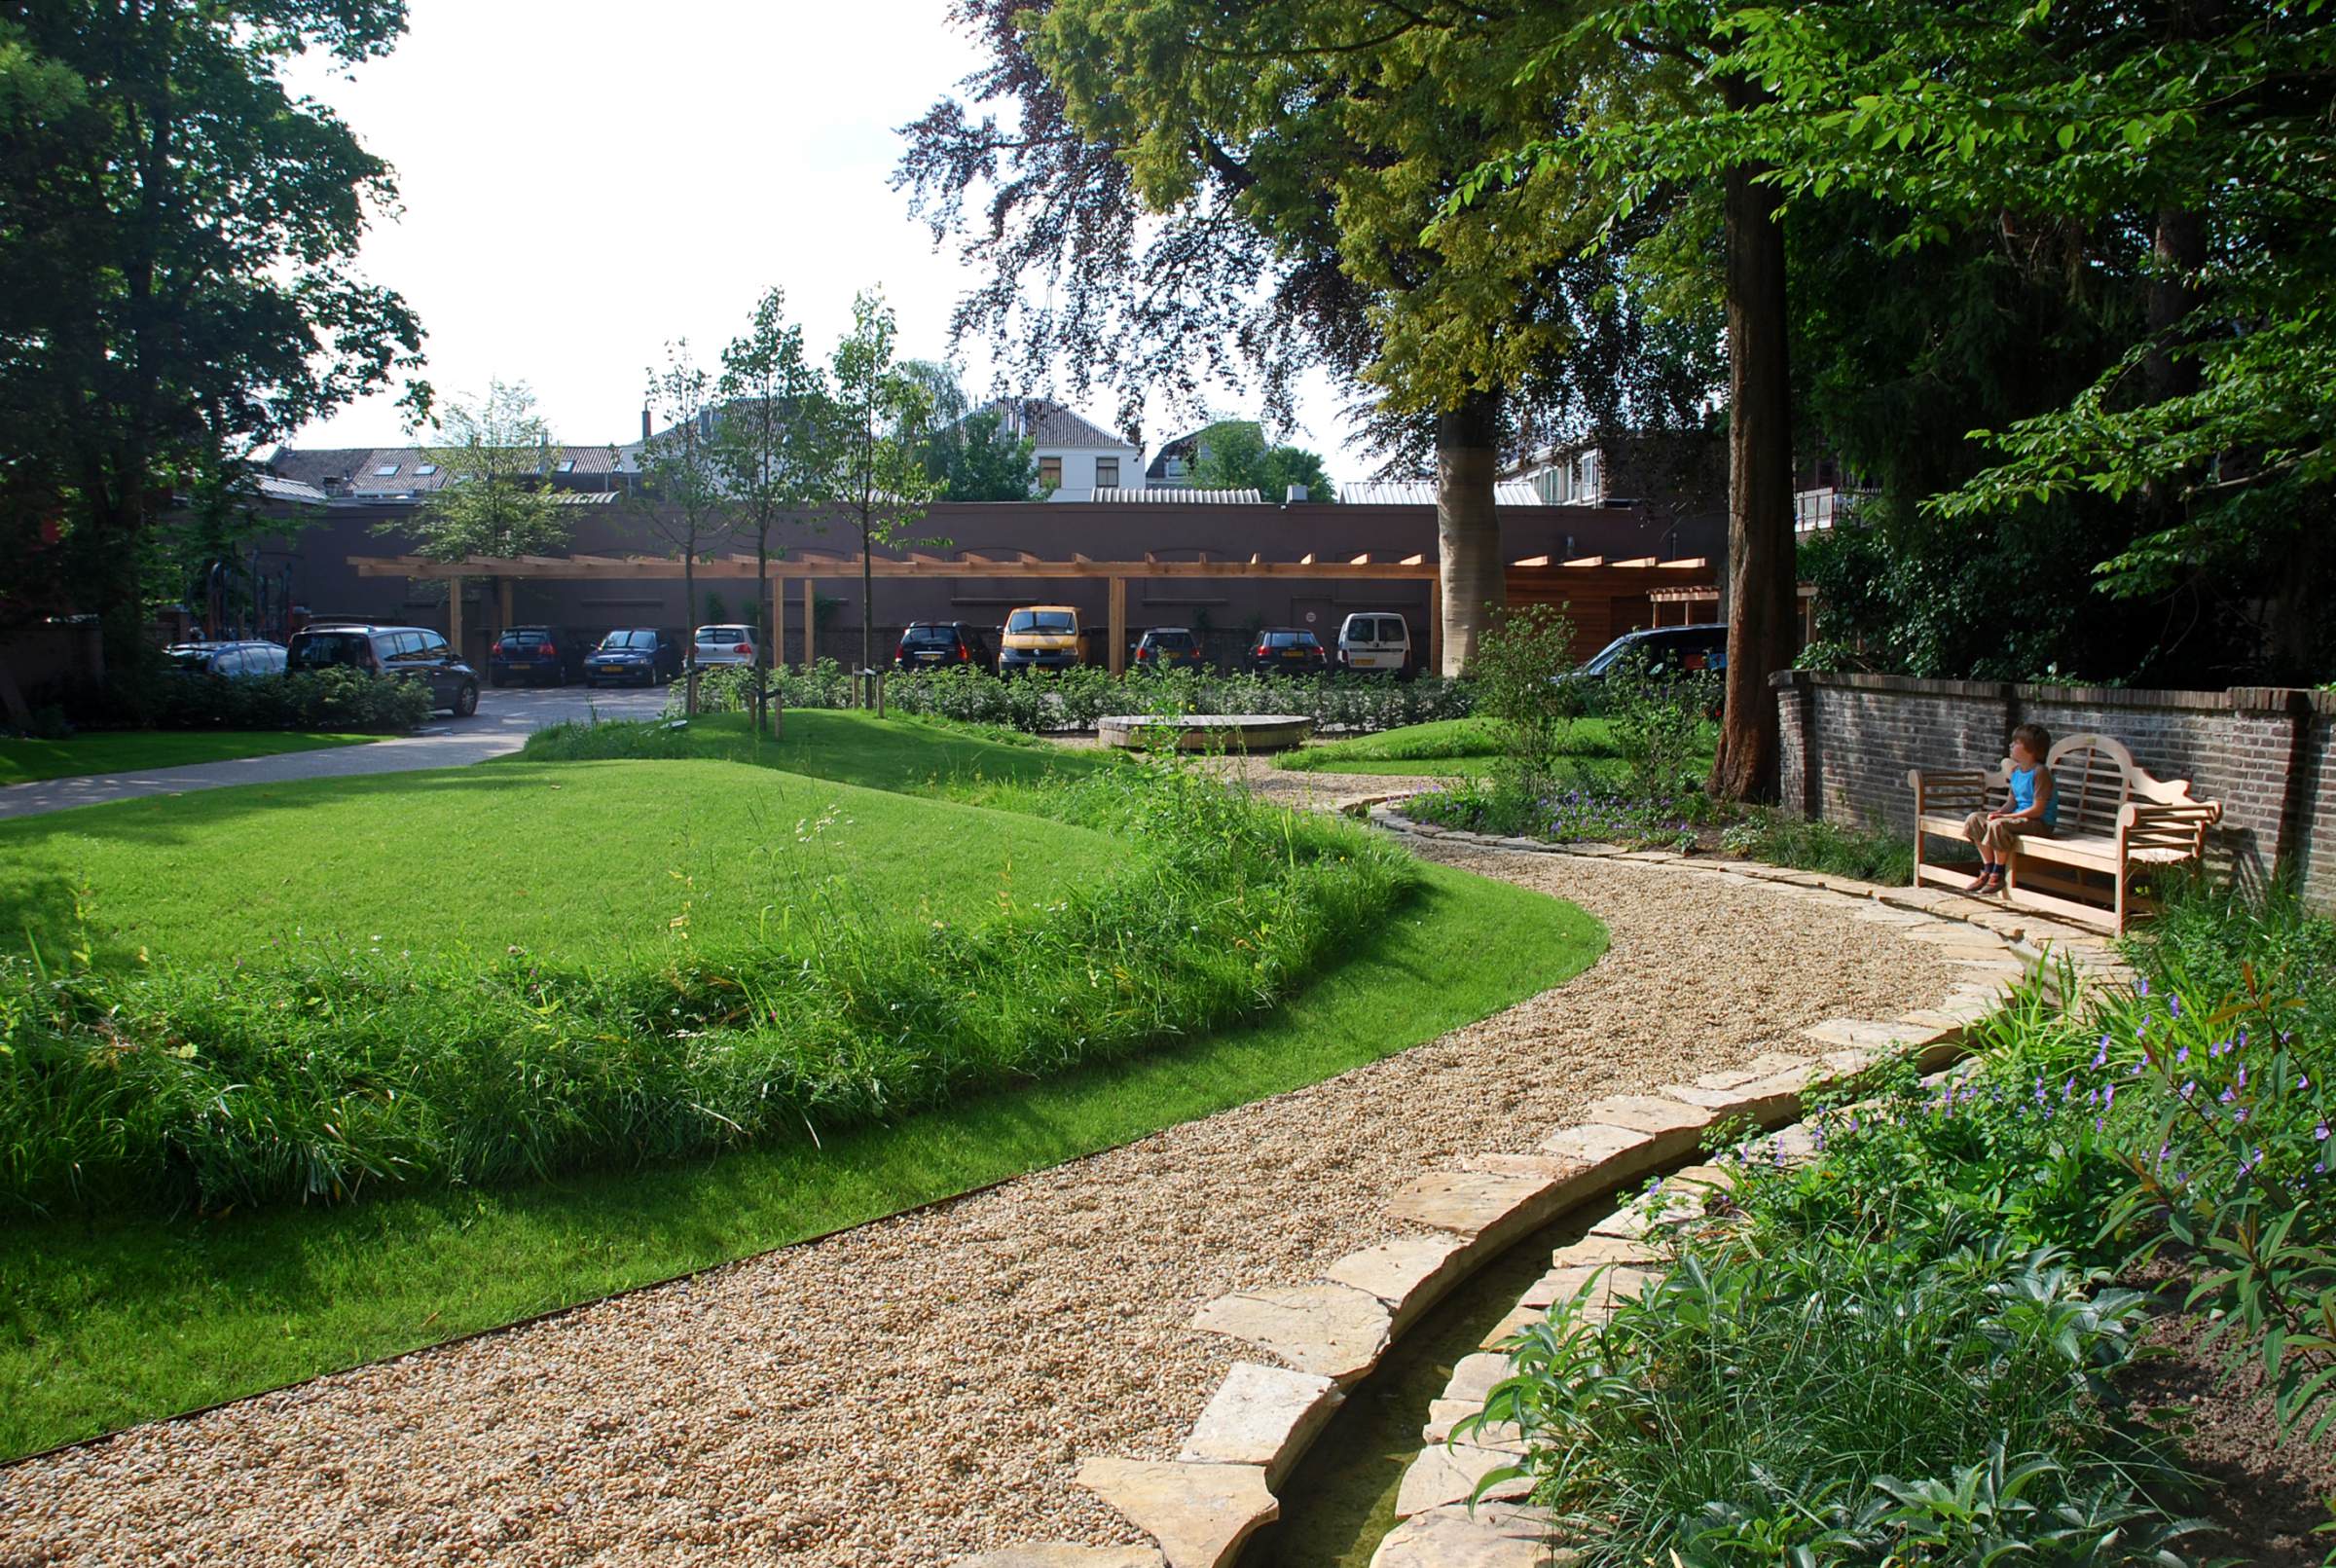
(1199, 732)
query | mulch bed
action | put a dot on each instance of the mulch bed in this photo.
(2269, 1495)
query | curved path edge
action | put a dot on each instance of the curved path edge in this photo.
(1198, 1510)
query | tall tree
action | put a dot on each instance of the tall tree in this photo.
(178, 233)
(773, 446)
(494, 455)
(878, 478)
(987, 462)
(683, 499)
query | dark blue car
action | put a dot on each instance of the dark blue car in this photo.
(635, 656)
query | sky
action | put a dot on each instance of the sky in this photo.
(581, 182)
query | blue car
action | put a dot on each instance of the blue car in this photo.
(635, 656)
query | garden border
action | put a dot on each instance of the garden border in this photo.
(1199, 1508)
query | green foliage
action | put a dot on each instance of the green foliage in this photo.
(1869, 855)
(1450, 740)
(1835, 1399)
(301, 1080)
(986, 462)
(1519, 662)
(495, 455)
(1662, 721)
(1234, 454)
(1073, 699)
(683, 497)
(179, 250)
(336, 699)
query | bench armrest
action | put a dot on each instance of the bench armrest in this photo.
(1949, 789)
(2147, 826)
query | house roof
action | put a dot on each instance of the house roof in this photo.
(395, 471)
(1186, 445)
(1049, 423)
(1422, 492)
(1182, 497)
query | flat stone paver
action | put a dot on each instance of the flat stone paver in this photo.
(501, 726)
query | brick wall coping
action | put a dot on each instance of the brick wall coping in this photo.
(2236, 699)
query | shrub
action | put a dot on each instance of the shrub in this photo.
(1517, 665)
(1868, 855)
(1074, 699)
(1835, 1401)
(1660, 721)
(333, 699)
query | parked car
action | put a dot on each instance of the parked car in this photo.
(634, 655)
(726, 644)
(230, 661)
(940, 645)
(1040, 636)
(1379, 645)
(1676, 649)
(1288, 650)
(1167, 647)
(407, 652)
(544, 655)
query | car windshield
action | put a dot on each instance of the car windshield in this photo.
(316, 650)
(630, 639)
(1607, 657)
(1041, 621)
(1171, 639)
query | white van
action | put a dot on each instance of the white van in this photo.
(1376, 642)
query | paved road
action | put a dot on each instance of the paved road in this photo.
(502, 725)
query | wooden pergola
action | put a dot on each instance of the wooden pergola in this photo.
(809, 568)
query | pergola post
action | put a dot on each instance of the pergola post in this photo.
(502, 595)
(1116, 624)
(779, 628)
(1435, 623)
(811, 623)
(453, 613)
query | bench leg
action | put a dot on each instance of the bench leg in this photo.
(2123, 873)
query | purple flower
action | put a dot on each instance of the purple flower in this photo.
(2136, 1071)
(2108, 1097)
(2189, 1088)
(2142, 985)
(2239, 1115)
(2173, 1003)
(2183, 1055)
(2319, 1134)
(2227, 1096)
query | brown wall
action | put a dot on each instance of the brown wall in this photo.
(325, 584)
(2267, 753)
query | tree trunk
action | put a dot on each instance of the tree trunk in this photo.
(689, 629)
(2179, 245)
(762, 629)
(1763, 588)
(1468, 530)
(867, 600)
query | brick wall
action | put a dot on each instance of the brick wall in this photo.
(2267, 753)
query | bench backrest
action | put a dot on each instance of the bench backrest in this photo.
(2094, 776)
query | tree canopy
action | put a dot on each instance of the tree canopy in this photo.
(1234, 454)
(177, 231)
(494, 455)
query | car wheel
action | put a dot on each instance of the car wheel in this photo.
(466, 701)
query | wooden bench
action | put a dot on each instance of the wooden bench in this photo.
(2115, 820)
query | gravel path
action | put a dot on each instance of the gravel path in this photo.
(923, 1387)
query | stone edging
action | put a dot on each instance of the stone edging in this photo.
(1198, 1508)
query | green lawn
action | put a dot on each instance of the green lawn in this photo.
(122, 750)
(122, 1321)
(111, 1319)
(591, 861)
(883, 753)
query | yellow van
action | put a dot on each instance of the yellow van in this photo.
(1040, 637)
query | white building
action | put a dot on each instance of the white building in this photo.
(1076, 458)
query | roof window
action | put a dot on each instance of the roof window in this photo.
(568, 466)
(425, 471)
(388, 470)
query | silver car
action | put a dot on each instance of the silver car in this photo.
(726, 644)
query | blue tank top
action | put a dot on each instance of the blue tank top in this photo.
(2023, 795)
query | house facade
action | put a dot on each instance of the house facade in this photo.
(1075, 456)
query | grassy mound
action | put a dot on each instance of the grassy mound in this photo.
(591, 863)
(133, 1319)
(851, 748)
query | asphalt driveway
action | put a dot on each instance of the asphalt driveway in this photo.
(502, 724)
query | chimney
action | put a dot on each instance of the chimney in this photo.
(644, 423)
(706, 424)
(1295, 494)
